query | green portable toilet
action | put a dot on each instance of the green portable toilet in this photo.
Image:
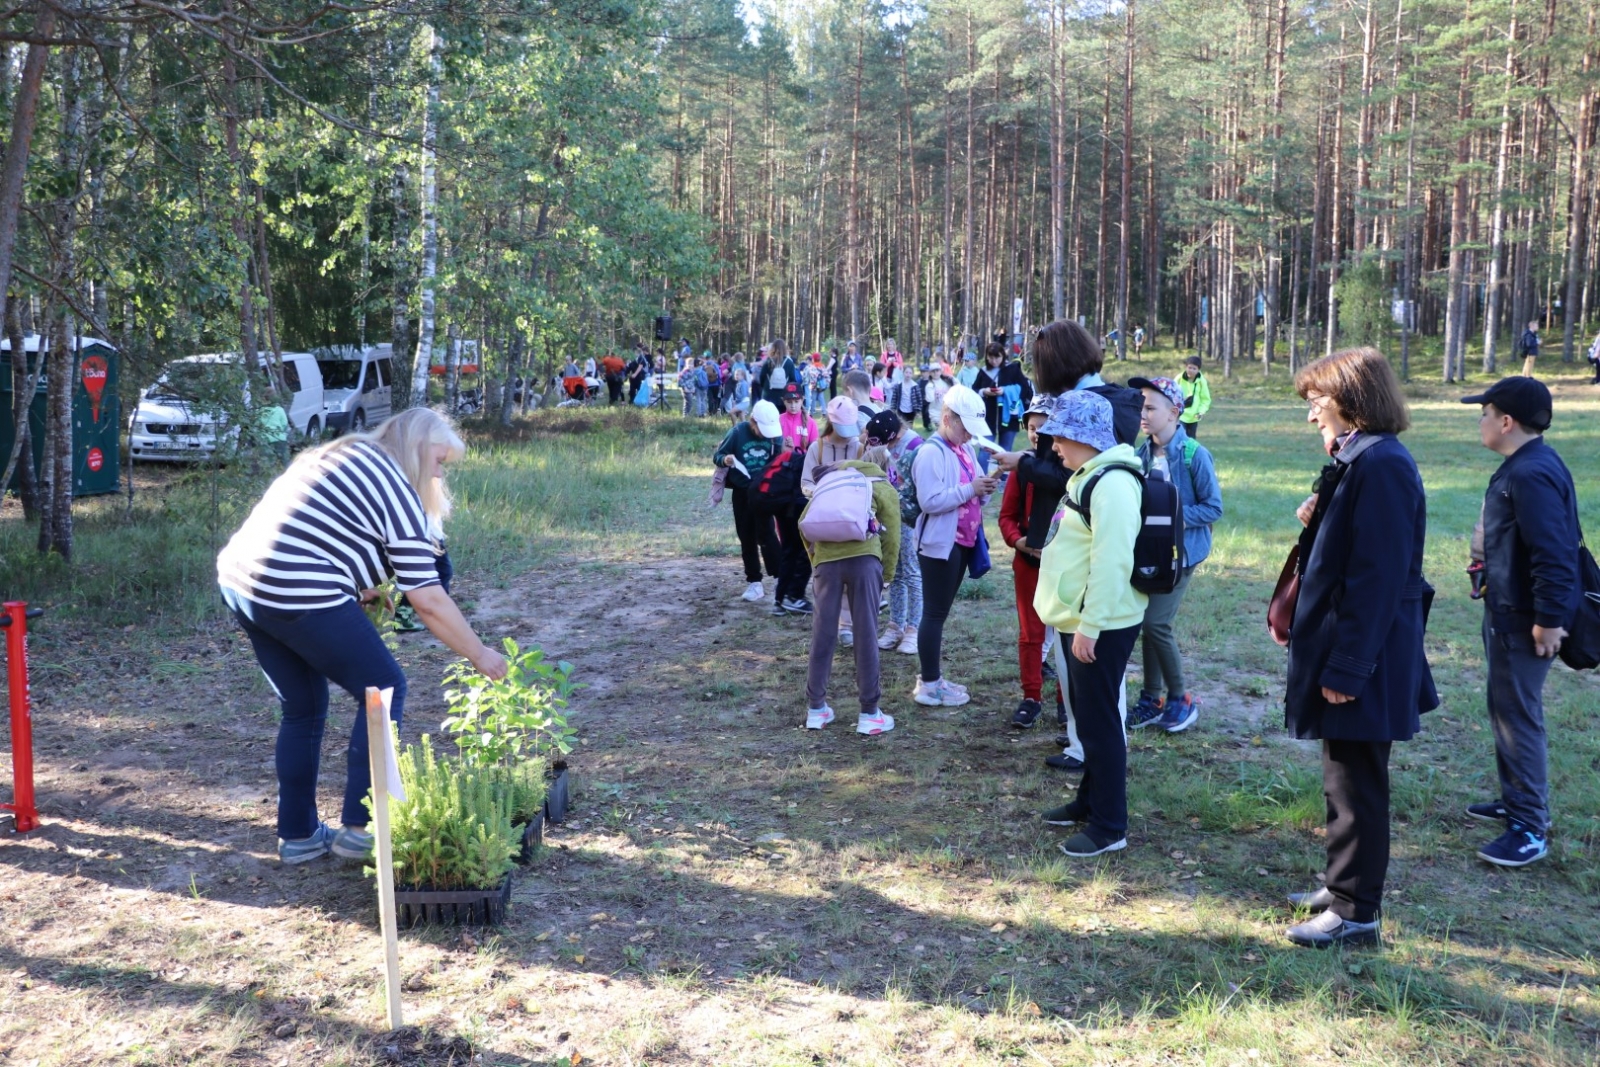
(96, 414)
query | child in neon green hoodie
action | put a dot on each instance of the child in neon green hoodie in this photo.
(1084, 592)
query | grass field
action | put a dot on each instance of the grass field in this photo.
(735, 890)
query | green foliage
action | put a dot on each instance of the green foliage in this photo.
(517, 717)
(454, 829)
(1365, 315)
(523, 784)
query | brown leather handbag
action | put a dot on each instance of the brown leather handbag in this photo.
(1280, 609)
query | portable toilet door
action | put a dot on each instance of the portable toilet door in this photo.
(96, 414)
(96, 419)
(36, 416)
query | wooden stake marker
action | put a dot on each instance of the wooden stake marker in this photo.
(385, 778)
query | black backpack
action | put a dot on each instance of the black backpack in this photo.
(1158, 550)
(1580, 649)
(1127, 408)
(779, 485)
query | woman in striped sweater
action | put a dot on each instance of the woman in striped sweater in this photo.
(339, 523)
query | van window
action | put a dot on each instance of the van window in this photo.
(341, 373)
(385, 371)
(291, 376)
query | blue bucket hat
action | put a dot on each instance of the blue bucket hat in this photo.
(1084, 417)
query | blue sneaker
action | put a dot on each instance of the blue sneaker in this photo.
(306, 849)
(352, 844)
(1179, 715)
(1146, 711)
(1517, 847)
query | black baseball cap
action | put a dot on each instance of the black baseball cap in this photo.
(1525, 399)
(882, 427)
(792, 391)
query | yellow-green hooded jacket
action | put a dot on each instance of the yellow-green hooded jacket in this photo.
(1084, 574)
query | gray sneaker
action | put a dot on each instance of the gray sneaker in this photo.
(306, 849)
(352, 844)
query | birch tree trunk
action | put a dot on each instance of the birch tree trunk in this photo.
(430, 224)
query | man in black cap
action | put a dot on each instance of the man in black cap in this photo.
(1530, 548)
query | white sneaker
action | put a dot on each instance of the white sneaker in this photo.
(817, 718)
(908, 641)
(847, 639)
(754, 592)
(890, 637)
(874, 724)
(938, 693)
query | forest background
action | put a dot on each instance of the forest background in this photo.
(1253, 179)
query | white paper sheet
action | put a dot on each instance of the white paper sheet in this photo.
(391, 765)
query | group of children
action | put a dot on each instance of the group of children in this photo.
(885, 510)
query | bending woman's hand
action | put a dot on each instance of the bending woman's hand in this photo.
(440, 614)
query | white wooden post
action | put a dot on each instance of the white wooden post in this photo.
(379, 756)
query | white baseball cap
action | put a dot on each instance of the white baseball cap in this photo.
(765, 413)
(969, 406)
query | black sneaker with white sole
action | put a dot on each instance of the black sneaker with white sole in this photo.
(1027, 714)
(797, 605)
(1517, 847)
(1064, 762)
(1083, 844)
(1065, 815)
(1489, 811)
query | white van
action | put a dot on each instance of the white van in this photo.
(177, 417)
(357, 386)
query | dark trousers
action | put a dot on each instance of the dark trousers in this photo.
(1516, 714)
(1355, 782)
(861, 579)
(614, 389)
(1192, 429)
(941, 578)
(758, 537)
(300, 652)
(1095, 690)
(794, 565)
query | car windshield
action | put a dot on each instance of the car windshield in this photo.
(188, 381)
(340, 373)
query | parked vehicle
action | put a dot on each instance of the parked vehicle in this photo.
(357, 386)
(194, 400)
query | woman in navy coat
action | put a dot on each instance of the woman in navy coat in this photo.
(1358, 679)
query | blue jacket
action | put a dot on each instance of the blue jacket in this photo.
(1360, 616)
(1198, 489)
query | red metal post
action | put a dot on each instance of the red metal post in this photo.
(16, 627)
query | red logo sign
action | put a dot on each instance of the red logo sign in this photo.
(93, 372)
(96, 459)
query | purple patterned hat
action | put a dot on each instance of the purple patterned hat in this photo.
(1165, 386)
(1084, 417)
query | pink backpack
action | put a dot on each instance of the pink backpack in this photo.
(840, 508)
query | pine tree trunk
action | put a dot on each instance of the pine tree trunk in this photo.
(1497, 226)
(1126, 208)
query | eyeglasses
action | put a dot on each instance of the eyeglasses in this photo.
(1317, 403)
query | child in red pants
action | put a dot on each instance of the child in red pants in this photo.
(1031, 497)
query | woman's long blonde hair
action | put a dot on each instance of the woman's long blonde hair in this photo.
(405, 437)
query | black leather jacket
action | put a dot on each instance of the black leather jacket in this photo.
(1530, 540)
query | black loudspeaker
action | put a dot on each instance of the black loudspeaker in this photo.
(663, 327)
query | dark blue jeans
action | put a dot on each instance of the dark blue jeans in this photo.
(300, 652)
